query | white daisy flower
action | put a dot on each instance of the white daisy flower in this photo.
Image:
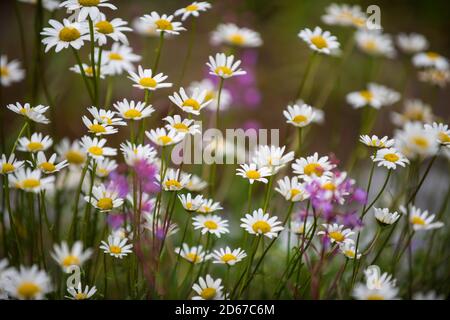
(133, 153)
(190, 104)
(374, 42)
(299, 116)
(390, 158)
(430, 60)
(435, 76)
(163, 23)
(77, 293)
(375, 142)
(103, 198)
(162, 230)
(224, 66)
(228, 256)
(173, 180)
(298, 227)
(97, 127)
(413, 140)
(65, 35)
(10, 71)
(348, 249)
(196, 184)
(330, 185)
(116, 247)
(113, 29)
(184, 126)
(106, 117)
(163, 138)
(209, 206)
(384, 217)
(375, 96)
(272, 157)
(88, 70)
(253, 173)
(10, 165)
(414, 110)
(431, 295)
(145, 28)
(211, 94)
(192, 10)
(318, 40)
(441, 131)
(192, 254)
(231, 34)
(74, 256)
(119, 59)
(145, 80)
(36, 143)
(131, 110)
(103, 167)
(291, 189)
(377, 287)
(211, 224)
(27, 283)
(259, 223)
(95, 147)
(50, 5)
(344, 15)
(86, 8)
(208, 289)
(49, 166)
(412, 43)
(72, 152)
(421, 220)
(313, 166)
(336, 233)
(190, 203)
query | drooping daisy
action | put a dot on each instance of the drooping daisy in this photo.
(113, 29)
(49, 166)
(390, 158)
(253, 173)
(211, 94)
(119, 59)
(209, 206)
(133, 153)
(211, 224)
(50, 5)
(10, 165)
(74, 256)
(104, 167)
(414, 110)
(384, 217)
(299, 227)
(299, 116)
(27, 283)
(421, 220)
(107, 117)
(192, 254)
(196, 184)
(208, 289)
(86, 8)
(332, 188)
(375, 96)
(318, 40)
(414, 141)
(441, 131)
(183, 126)
(116, 247)
(412, 43)
(435, 76)
(374, 42)
(231, 34)
(313, 166)
(272, 157)
(377, 287)
(163, 138)
(103, 198)
(88, 70)
(173, 180)
(131, 110)
(10, 71)
(291, 189)
(35, 114)
(163, 23)
(348, 249)
(430, 60)
(36, 143)
(375, 142)
(192, 10)
(190, 104)
(97, 127)
(228, 256)
(145, 79)
(344, 15)
(77, 293)
(259, 223)
(190, 203)
(65, 35)
(224, 66)
(95, 147)
(72, 152)
(336, 233)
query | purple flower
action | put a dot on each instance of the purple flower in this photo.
(115, 221)
(118, 182)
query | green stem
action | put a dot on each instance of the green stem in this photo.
(158, 53)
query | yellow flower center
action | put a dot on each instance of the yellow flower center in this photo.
(89, 3)
(211, 225)
(68, 34)
(420, 142)
(74, 157)
(105, 203)
(165, 140)
(81, 296)
(173, 183)
(366, 94)
(432, 55)
(294, 192)
(4, 72)
(181, 127)
(391, 157)
(96, 151)
(224, 70)
(30, 183)
(313, 168)
(417, 220)
(208, 293)
(237, 39)
(349, 253)
(210, 95)
(88, 71)
(47, 166)
(253, 174)
(132, 113)
(102, 171)
(104, 27)
(337, 236)
(28, 290)
(192, 7)
(70, 261)
(35, 146)
(299, 119)
(319, 42)
(97, 128)
(358, 22)
(261, 227)
(115, 56)
(329, 186)
(191, 103)
(443, 137)
(163, 24)
(7, 167)
(193, 257)
(148, 82)
(228, 257)
(106, 119)
(115, 249)
(375, 296)
(370, 45)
